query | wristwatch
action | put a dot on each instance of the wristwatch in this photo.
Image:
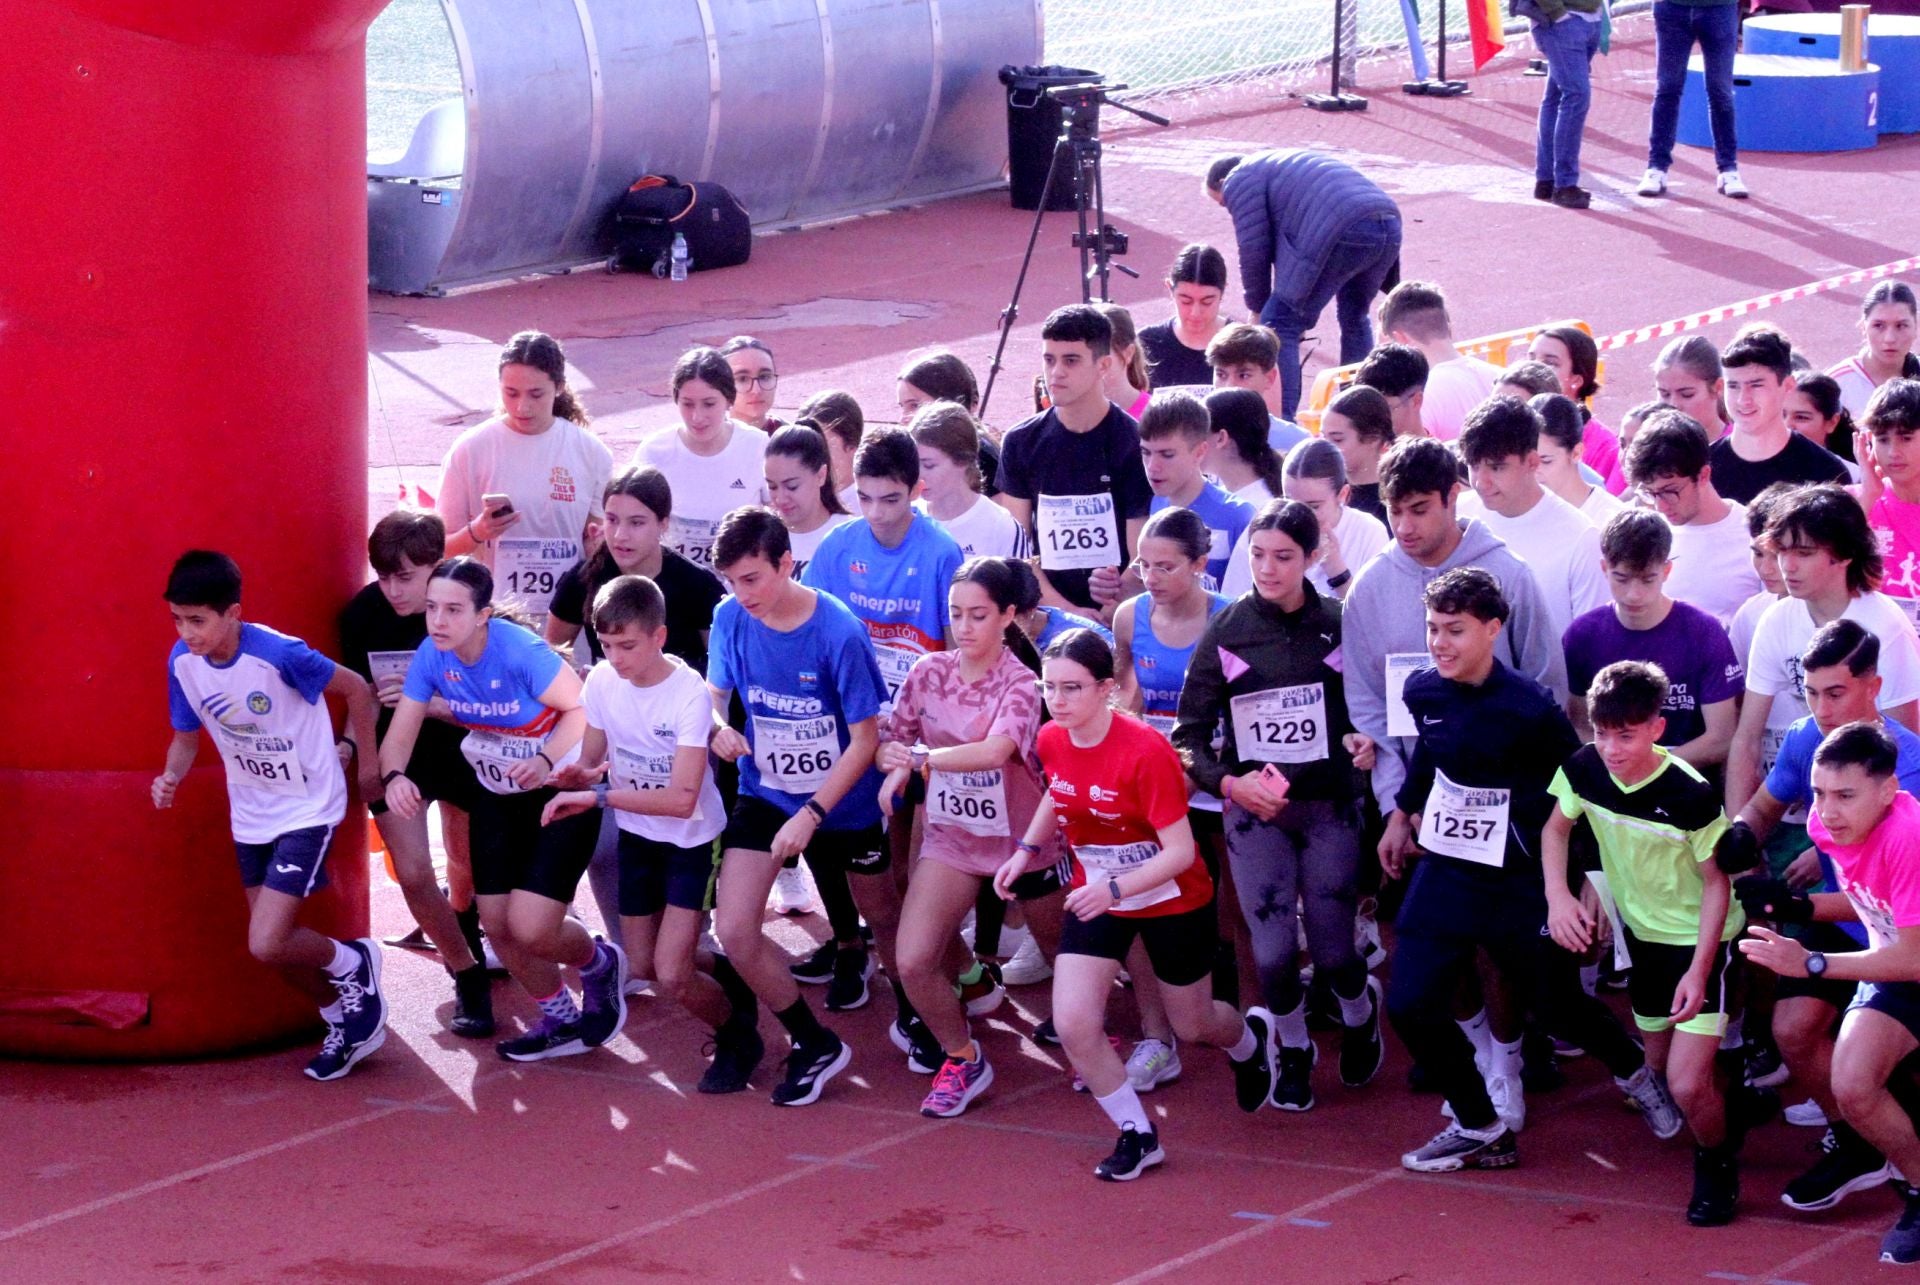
(599, 794)
(1113, 888)
(1816, 964)
(919, 755)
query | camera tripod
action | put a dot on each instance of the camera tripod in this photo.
(1076, 154)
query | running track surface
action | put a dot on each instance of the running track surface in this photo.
(435, 1157)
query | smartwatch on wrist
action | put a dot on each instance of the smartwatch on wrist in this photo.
(599, 794)
(1340, 581)
(1113, 890)
(919, 755)
(813, 806)
(1816, 964)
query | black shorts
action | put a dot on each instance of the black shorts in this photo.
(1829, 939)
(755, 822)
(1181, 946)
(1044, 882)
(513, 852)
(440, 774)
(1209, 833)
(293, 863)
(655, 874)
(1656, 973)
(1898, 1000)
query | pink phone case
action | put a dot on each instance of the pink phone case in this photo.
(1275, 780)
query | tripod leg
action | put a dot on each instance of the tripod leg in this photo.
(1012, 311)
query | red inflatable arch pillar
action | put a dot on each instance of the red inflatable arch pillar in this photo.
(183, 344)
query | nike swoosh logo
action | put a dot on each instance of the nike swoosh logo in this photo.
(1430, 722)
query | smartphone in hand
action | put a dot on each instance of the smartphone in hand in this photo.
(1275, 781)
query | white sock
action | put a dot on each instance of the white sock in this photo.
(1246, 1046)
(1589, 977)
(1480, 1033)
(345, 960)
(1505, 1059)
(1292, 1027)
(1123, 1108)
(1356, 1011)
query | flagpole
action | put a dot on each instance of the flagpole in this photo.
(1439, 86)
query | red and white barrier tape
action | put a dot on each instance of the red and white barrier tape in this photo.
(1726, 311)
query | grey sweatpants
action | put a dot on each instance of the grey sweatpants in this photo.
(1306, 860)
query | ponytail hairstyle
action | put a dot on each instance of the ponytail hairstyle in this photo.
(1583, 358)
(1317, 458)
(1291, 519)
(951, 429)
(943, 377)
(1026, 584)
(1086, 649)
(1242, 415)
(473, 575)
(1200, 265)
(1126, 336)
(1824, 392)
(544, 354)
(643, 483)
(1694, 354)
(1001, 583)
(707, 366)
(803, 441)
(1187, 529)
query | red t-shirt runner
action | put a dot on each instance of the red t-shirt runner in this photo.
(1118, 794)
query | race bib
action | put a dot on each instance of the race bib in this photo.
(1078, 533)
(1284, 725)
(1466, 822)
(1163, 723)
(494, 754)
(630, 770)
(528, 569)
(894, 664)
(1104, 861)
(1399, 665)
(264, 763)
(972, 801)
(388, 664)
(692, 538)
(1771, 739)
(794, 755)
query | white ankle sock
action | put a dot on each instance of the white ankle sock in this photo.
(1505, 1059)
(1123, 1108)
(1479, 1033)
(345, 960)
(1247, 1046)
(1355, 1011)
(1292, 1027)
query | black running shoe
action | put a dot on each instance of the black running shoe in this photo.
(1850, 1165)
(547, 1039)
(1453, 1148)
(1902, 1244)
(848, 989)
(1764, 1069)
(1253, 1079)
(1361, 1050)
(911, 1036)
(1045, 1034)
(809, 1067)
(472, 1003)
(1132, 1156)
(603, 994)
(1293, 1077)
(1716, 1187)
(737, 1050)
(816, 969)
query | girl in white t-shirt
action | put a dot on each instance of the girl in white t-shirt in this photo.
(1316, 475)
(538, 454)
(949, 441)
(1887, 334)
(1687, 377)
(1242, 460)
(799, 476)
(712, 461)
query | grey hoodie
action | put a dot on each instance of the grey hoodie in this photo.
(1384, 614)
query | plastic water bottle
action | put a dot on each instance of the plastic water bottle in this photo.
(680, 258)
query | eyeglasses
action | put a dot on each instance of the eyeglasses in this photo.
(764, 380)
(1070, 691)
(1663, 494)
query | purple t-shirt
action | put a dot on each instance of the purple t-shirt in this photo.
(1689, 645)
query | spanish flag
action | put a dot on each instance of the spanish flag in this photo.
(1484, 26)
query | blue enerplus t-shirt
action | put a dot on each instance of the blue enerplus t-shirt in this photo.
(899, 594)
(1791, 781)
(500, 691)
(1059, 621)
(1225, 517)
(802, 690)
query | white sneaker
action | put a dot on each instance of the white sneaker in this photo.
(1652, 183)
(1152, 1064)
(1807, 1115)
(790, 893)
(1730, 185)
(1027, 967)
(1509, 1100)
(1366, 940)
(1648, 1093)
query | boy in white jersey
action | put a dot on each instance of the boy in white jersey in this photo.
(649, 717)
(259, 695)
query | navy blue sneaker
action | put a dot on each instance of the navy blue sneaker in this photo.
(809, 1067)
(547, 1039)
(362, 1006)
(603, 994)
(336, 1057)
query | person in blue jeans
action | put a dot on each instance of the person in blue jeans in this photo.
(1310, 230)
(1677, 26)
(1567, 33)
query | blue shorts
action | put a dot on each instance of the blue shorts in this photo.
(1898, 1000)
(294, 863)
(655, 874)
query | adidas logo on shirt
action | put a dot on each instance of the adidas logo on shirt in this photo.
(736, 485)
